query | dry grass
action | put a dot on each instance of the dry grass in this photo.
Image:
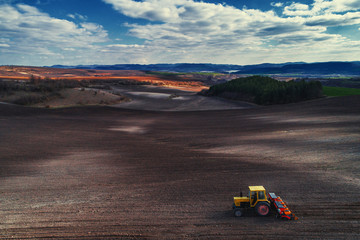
(81, 96)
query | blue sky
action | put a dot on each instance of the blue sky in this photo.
(71, 32)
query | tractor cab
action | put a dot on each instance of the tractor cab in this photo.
(257, 194)
(256, 199)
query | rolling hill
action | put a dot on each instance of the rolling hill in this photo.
(323, 68)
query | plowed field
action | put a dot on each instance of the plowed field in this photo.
(102, 172)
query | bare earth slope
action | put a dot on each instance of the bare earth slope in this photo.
(156, 98)
(101, 172)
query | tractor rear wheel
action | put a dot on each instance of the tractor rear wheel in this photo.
(262, 209)
(238, 212)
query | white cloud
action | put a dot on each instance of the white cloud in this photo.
(278, 4)
(337, 5)
(182, 31)
(35, 33)
(30, 10)
(71, 16)
(297, 9)
(209, 24)
(77, 16)
(154, 10)
(191, 31)
(320, 7)
(332, 20)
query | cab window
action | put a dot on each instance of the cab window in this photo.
(261, 195)
(254, 197)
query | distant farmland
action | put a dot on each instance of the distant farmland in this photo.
(340, 91)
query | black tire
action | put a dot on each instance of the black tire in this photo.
(262, 209)
(238, 212)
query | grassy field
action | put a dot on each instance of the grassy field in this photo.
(340, 91)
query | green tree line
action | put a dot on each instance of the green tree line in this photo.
(265, 90)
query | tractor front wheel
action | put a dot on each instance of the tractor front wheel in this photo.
(238, 212)
(262, 209)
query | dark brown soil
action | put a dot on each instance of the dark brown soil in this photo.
(102, 172)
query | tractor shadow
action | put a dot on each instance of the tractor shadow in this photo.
(248, 215)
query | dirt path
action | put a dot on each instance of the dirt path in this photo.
(101, 172)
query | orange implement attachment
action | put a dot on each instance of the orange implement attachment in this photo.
(282, 210)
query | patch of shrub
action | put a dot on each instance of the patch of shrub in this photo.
(50, 85)
(30, 99)
(8, 86)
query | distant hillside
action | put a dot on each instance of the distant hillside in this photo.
(346, 68)
(179, 67)
(324, 68)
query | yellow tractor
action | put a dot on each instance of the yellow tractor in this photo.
(257, 199)
(261, 202)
